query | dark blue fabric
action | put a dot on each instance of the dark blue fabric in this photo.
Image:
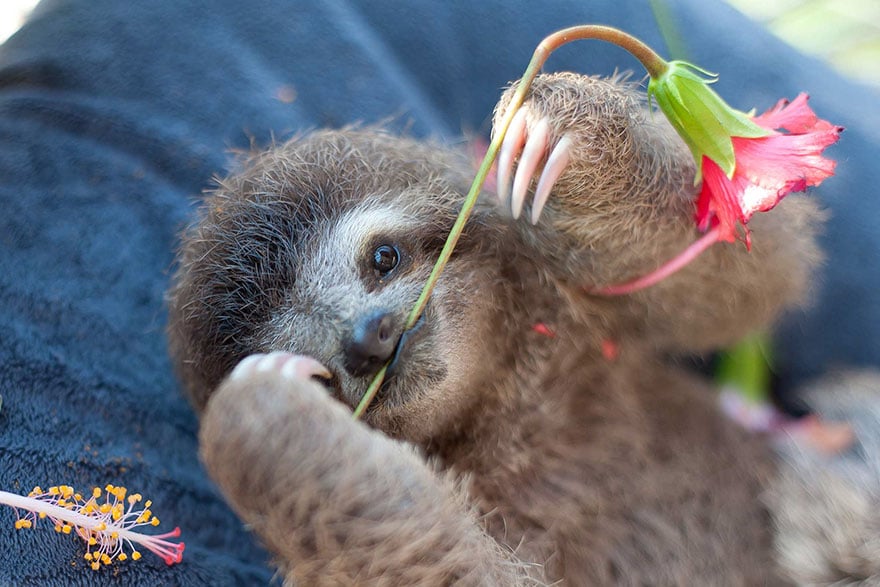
(114, 115)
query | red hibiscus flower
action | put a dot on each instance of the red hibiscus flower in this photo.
(746, 163)
(766, 168)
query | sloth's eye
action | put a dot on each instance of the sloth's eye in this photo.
(385, 258)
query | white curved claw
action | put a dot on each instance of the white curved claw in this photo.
(510, 148)
(301, 367)
(245, 366)
(536, 145)
(290, 366)
(556, 164)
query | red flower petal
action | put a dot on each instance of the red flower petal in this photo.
(775, 166)
(718, 202)
(794, 116)
(767, 168)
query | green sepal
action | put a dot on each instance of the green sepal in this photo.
(700, 116)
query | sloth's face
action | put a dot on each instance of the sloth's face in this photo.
(356, 282)
(321, 247)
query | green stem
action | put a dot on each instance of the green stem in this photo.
(375, 384)
(652, 62)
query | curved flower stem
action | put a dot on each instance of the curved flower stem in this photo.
(648, 58)
(681, 260)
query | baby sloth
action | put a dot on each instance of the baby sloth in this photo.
(529, 432)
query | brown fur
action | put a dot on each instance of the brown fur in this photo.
(536, 459)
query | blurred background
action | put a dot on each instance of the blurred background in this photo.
(846, 33)
(12, 14)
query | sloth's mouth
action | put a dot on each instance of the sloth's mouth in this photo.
(336, 385)
(405, 338)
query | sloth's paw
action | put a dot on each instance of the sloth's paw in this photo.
(579, 138)
(262, 419)
(277, 364)
(531, 148)
(266, 395)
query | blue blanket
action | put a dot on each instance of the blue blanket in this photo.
(115, 115)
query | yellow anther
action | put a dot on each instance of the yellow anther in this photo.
(108, 488)
(66, 528)
(53, 490)
(122, 557)
(66, 491)
(58, 527)
(88, 509)
(148, 503)
(96, 492)
(101, 527)
(105, 559)
(105, 508)
(88, 556)
(62, 502)
(120, 493)
(92, 541)
(114, 535)
(96, 566)
(42, 515)
(134, 498)
(37, 490)
(19, 524)
(154, 521)
(135, 555)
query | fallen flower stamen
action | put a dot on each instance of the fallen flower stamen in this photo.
(104, 528)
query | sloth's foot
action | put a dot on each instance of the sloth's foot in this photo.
(531, 145)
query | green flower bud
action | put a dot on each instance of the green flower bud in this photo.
(700, 116)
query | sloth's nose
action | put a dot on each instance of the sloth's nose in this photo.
(371, 344)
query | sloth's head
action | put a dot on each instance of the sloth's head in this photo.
(321, 247)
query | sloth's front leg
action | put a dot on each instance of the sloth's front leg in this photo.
(610, 188)
(589, 165)
(337, 502)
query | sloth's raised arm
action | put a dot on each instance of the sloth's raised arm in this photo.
(336, 502)
(623, 204)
